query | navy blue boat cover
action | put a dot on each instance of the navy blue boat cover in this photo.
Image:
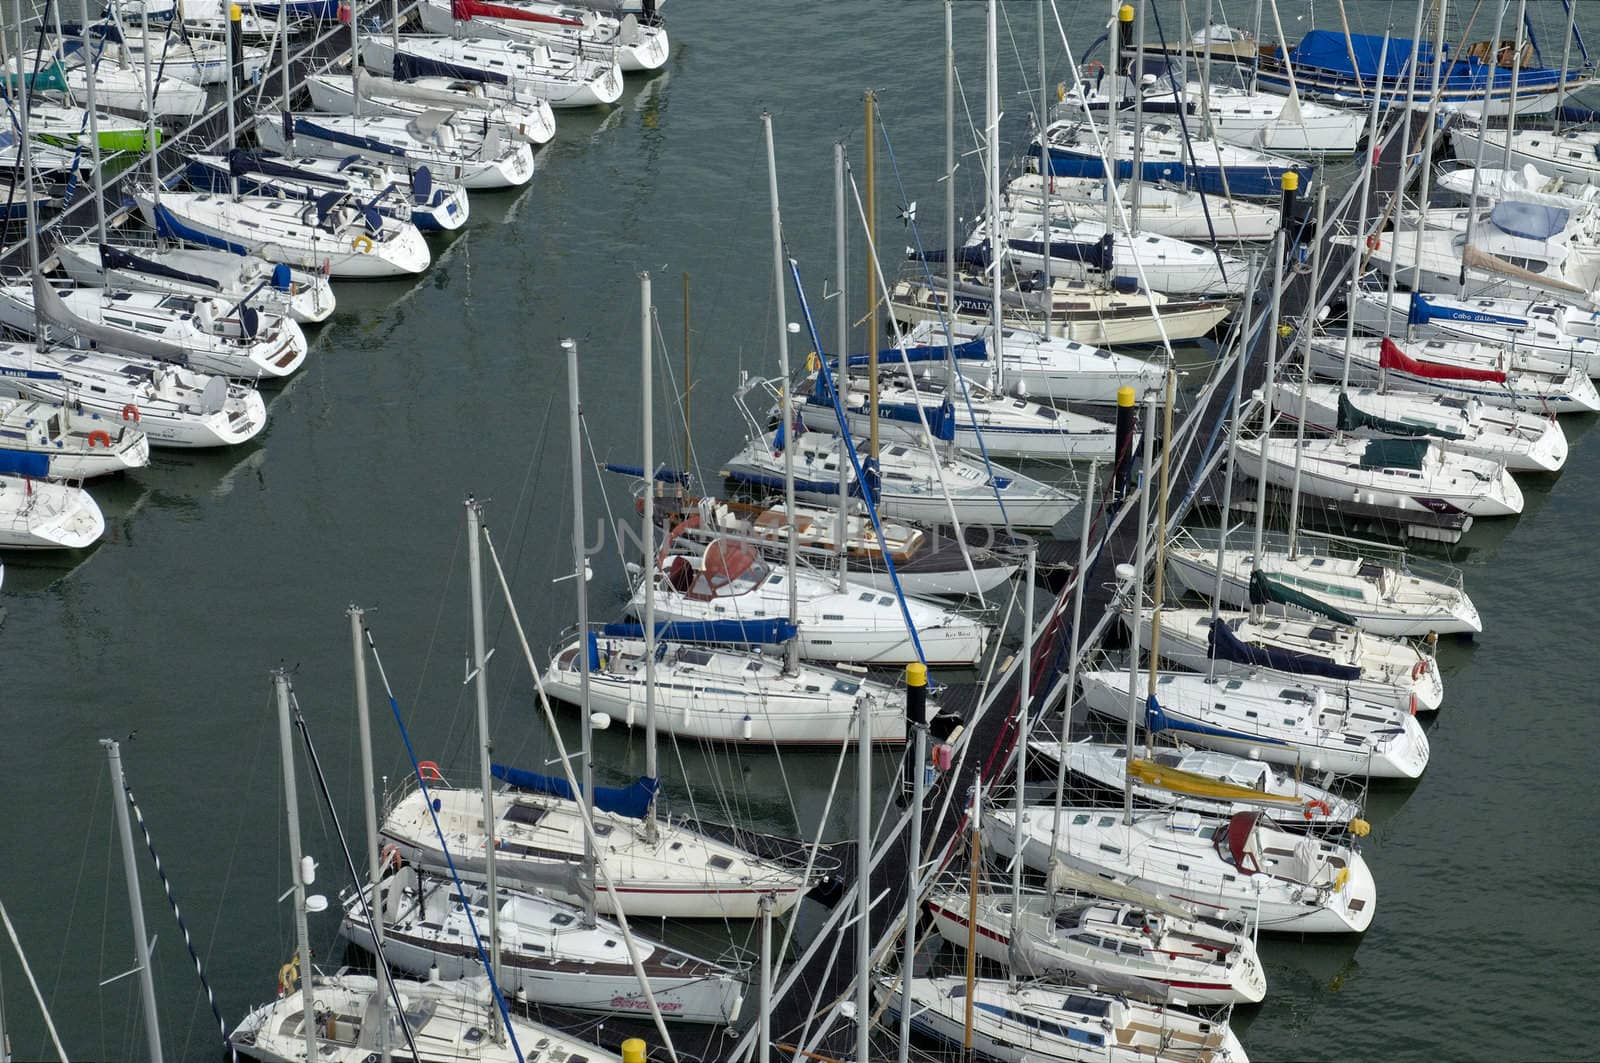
(1224, 645)
(631, 801)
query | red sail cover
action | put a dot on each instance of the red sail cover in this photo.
(1392, 357)
(465, 10)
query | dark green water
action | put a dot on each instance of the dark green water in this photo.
(217, 568)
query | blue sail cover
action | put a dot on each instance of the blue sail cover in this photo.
(663, 473)
(742, 632)
(1423, 312)
(171, 226)
(1097, 254)
(112, 258)
(1224, 645)
(1330, 50)
(409, 67)
(972, 350)
(24, 463)
(1531, 221)
(630, 801)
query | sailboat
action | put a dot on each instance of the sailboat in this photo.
(1163, 210)
(637, 46)
(39, 514)
(565, 79)
(198, 59)
(1169, 156)
(1547, 330)
(79, 446)
(526, 118)
(1203, 780)
(409, 194)
(302, 294)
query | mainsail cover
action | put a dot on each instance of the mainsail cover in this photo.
(1223, 645)
(1394, 454)
(117, 258)
(24, 463)
(736, 632)
(631, 801)
(1066, 877)
(1392, 357)
(1353, 418)
(466, 10)
(1422, 312)
(53, 309)
(1264, 591)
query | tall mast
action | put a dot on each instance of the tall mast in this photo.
(370, 811)
(950, 192)
(580, 568)
(863, 893)
(1136, 78)
(30, 216)
(1044, 171)
(94, 136)
(1427, 161)
(1205, 86)
(1483, 136)
(355, 57)
(1306, 324)
(870, 101)
(764, 1041)
(298, 865)
(480, 690)
(1516, 81)
(283, 39)
(1137, 589)
(1113, 100)
(1368, 164)
(1246, 326)
(1024, 704)
(997, 240)
(1072, 662)
(791, 650)
(916, 710)
(841, 379)
(149, 102)
(646, 394)
(141, 939)
(1400, 190)
(1266, 399)
(1566, 58)
(1158, 589)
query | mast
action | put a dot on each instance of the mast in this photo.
(1516, 80)
(791, 650)
(688, 381)
(1024, 701)
(646, 394)
(141, 939)
(950, 191)
(1266, 398)
(1113, 100)
(30, 216)
(916, 712)
(283, 39)
(1306, 324)
(764, 1042)
(1044, 171)
(997, 241)
(1246, 326)
(1072, 665)
(841, 379)
(870, 101)
(1158, 591)
(1136, 77)
(1137, 590)
(1566, 58)
(480, 690)
(580, 567)
(863, 893)
(301, 869)
(973, 858)
(1483, 136)
(149, 100)
(370, 810)
(1427, 164)
(1368, 164)
(1205, 85)
(94, 135)
(1400, 190)
(355, 57)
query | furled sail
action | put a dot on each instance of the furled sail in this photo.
(1264, 591)
(1392, 357)
(1223, 645)
(632, 801)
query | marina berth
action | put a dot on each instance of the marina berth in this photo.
(525, 118)
(1151, 949)
(564, 79)
(1281, 722)
(1203, 780)
(551, 952)
(306, 297)
(1522, 442)
(79, 446)
(334, 233)
(1242, 867)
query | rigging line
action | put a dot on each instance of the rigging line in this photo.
(949, 324)
(77, 884)
(605, 496)
(455, 876)
(585, 816)
(27, 971)
(177, 914)
(355, 877)
(855, 459)
(438, 616)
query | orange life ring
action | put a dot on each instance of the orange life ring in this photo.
(101, 437)
(390, 857)
(1373, 243)
(428, 771)
(1413, 704)
(1419, 669)
(130, 412)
